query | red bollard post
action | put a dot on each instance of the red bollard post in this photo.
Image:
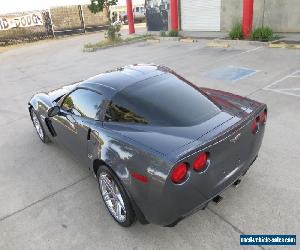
(130, 16)
(174, 15)
(247, 17)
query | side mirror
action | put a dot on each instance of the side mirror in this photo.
(53, 111)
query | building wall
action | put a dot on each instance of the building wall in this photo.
(283, 15)
(280, 15)
(68, 17)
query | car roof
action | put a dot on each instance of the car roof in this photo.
(111, 82)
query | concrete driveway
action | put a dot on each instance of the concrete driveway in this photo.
(49, 201)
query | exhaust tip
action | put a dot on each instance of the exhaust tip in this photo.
(217, 199)
(237, 182)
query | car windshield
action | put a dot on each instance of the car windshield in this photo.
(164, 100)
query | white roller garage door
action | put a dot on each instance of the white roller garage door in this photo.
(200, 15)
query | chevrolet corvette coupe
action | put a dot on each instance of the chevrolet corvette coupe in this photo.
(159, 146)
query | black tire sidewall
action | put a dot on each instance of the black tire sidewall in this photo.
(130, 215)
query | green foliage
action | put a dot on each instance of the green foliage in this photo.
(100, 5)
(113, 32)
(173, 33)
(263, 34)
(69, 102)
(162, 33)
(236, 32)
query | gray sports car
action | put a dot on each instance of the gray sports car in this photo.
(160, 147)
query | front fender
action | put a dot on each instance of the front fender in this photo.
(41, 104)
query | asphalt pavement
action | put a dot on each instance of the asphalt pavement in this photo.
(50, 201)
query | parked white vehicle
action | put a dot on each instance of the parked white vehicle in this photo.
(139, 13)
(120, 14)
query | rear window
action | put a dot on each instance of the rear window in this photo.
(164, 100)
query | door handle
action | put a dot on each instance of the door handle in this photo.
(94, 142)
(89, 134)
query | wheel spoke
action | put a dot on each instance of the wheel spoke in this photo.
(108, 196)
(38, 126)
(120, 201)
(108, 184)
(112, 197)
(119, 210)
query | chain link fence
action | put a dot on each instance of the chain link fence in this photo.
(19, 27)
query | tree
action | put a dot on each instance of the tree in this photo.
(100, 5)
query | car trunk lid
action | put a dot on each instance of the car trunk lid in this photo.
(231, 151)
(165, 139)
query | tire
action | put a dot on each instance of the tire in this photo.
(116, 201)
(38, 126)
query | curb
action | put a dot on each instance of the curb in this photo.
(114, 45)
(278, 45)
(169, 38)
(240, 42)
(296, 46)
(153, 41)
(218, 45)
(188, 40)
(283, 45)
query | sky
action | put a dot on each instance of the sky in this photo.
(9, 6)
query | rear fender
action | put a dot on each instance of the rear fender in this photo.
(124, 159)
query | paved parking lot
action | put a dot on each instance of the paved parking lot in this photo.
(48, 200)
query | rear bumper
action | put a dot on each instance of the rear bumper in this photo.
(205, 203)
(171, 208)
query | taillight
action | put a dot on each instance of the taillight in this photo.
(179, 173)
(200, 162)
(263, 117)
(254, 125)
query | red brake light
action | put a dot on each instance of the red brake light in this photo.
(179, 173)
(200, 162)
(254, 125)
(263, 117)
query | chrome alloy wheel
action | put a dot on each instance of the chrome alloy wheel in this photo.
(112, 197)
(37, 126)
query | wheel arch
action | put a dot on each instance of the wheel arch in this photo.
(33, 104)
(30, 107)
(139, 214)
(97, 163)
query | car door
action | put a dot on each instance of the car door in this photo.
(78, 113)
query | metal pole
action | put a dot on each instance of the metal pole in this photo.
(51, 22)
(179, 14)
(247, 17)
(263, 18)
(174, 15)
(130, 16)
(81, 18)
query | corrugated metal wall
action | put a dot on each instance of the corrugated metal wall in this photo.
(200, 15)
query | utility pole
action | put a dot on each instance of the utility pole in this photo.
(247, 17)
(81, 18)
(174, 15)
(130, 16)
